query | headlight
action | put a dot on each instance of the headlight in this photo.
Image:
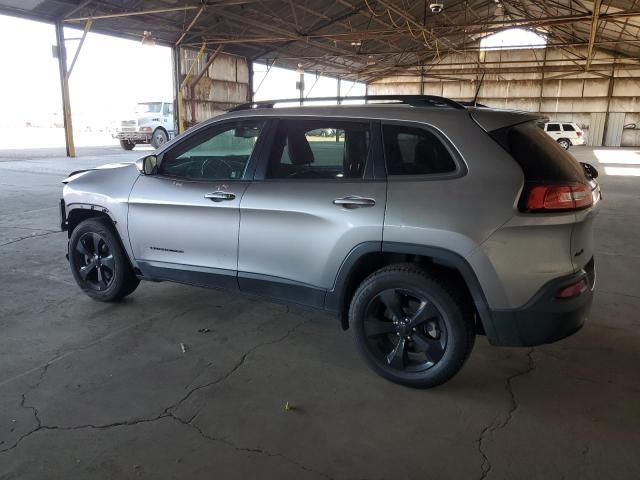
(145, 129)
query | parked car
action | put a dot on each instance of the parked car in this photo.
(566, 134)
(423, 224)
(150, 123)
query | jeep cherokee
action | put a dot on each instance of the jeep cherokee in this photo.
(417, 221)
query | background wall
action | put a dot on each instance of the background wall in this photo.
(224, 84)
(601, 100)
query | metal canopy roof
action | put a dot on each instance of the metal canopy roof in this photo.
(351, 38)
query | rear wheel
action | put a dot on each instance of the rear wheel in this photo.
(127, 144)
(564, 143)
(159, 138)
(98, 262)
(409, 327)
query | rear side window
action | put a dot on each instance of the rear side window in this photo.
(567, 127)
(319, 149)
(540, 157)
(553, 127)
(415, 151)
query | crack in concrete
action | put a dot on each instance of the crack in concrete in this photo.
(165, 413)
(258, 451)
(495, 425)
(99, 340)
(29, 236)
(237, 365)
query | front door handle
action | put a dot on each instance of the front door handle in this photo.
(354, 201)
(219, 196)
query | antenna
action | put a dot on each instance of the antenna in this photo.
(475, 97)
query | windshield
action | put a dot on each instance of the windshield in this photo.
(148, 107)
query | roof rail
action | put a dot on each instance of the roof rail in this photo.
(413, 100)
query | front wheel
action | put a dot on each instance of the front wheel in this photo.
(98, 262)
(127, 144)
(564, 143)
(411, 328)
(159, 138)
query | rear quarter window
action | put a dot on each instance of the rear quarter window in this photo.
(542, 160)
(413, 150)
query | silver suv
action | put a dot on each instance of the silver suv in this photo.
(418, 222)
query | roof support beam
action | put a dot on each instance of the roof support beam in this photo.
(131, 14)
(195, 19)
(594, 30)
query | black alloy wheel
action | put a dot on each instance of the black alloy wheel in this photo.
(405, 330)
(95, 262)
(98, 261)
(411, 326)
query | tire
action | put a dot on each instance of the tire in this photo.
(98, 262)
(434, 348)
(159, 138)
(564, 143)
(127, 145)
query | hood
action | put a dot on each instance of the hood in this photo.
(108, 166)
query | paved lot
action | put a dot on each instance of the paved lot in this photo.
(90, 390)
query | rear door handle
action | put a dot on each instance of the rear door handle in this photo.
(219, 196)
(354, 201)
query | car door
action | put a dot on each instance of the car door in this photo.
(316, 197)
(569, 131)
(553, 130)
(167, 116)
(183, 219)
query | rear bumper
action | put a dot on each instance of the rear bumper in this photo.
(546, 319)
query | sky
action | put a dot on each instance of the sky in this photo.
(110, 76)
(280, 83)
(513, 38)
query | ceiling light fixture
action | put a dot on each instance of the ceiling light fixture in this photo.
(147, 39)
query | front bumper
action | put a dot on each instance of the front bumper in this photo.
(545, 318)
(134, 136)
(62, 209)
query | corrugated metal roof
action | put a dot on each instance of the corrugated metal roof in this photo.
(357, 39)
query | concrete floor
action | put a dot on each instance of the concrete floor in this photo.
(90, 390)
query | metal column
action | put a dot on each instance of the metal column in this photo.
(64, 86)
(250, 84)
(175, 58)
(301, 87)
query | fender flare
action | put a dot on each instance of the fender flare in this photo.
(334, 298)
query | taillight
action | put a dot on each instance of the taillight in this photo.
(558, 197)
(572, 290)
(579, 133)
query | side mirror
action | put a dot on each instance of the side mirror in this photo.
(589, 170)
(147, 165)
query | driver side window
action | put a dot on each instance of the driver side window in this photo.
(219, 153)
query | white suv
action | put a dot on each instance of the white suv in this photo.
(566, 134)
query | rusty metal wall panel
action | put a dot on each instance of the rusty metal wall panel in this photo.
(596, 129)
(613, 132)
(224, 85)
(224, 68)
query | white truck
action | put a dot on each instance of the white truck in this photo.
(150, 122)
